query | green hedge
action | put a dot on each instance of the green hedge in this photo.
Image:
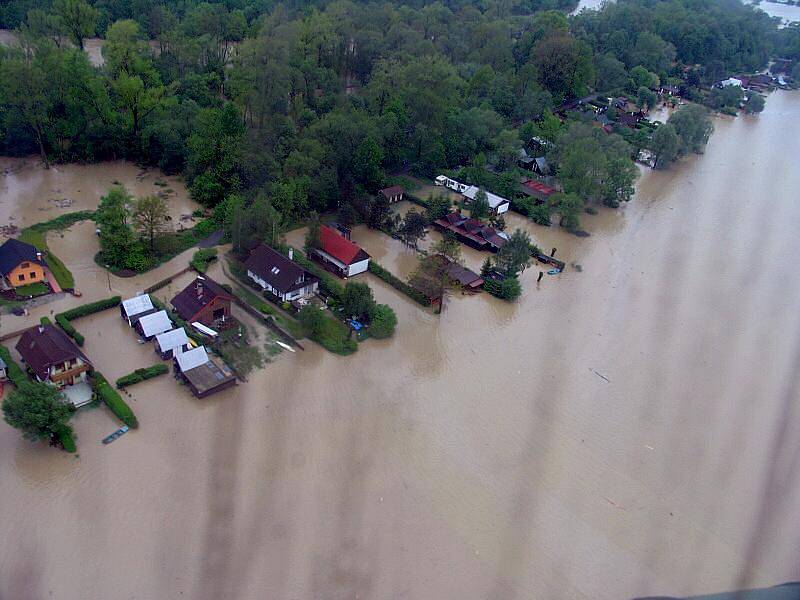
(91, 308)
(67, 439)
(202, 258)
(64, 323)
(113, 400)
(15, 373)
(398, 284)
(141, 375)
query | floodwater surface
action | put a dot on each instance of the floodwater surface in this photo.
(30, 194)
(626, 429)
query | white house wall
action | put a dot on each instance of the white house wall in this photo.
(358, 267)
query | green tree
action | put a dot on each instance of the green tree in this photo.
(358, 301)
(646, 97)
(755, 103)
(38, 410)
(507, 146)
(78, 17)
(413, 228)
(665, 145)
(516, 254)
(367, 164)
(378, 211)
(438, 206)
(113, 220)
(150, 217)
(313, 239)
(479, 207)
(215, 154)
(569, 206)
(382, 322)
(693, 125)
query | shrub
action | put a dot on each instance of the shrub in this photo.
(326, 330)
(67, 439)
(508, 289)
(202, 258)
(113, 400)
(45, 321)
(383, 322)
(141, 375)
(15, 373)
(398, 284)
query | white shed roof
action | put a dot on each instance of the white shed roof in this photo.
(192, 359)
(156, 323)
(137, 305)
(172, 339)
(493, 199)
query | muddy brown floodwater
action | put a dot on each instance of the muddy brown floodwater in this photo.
(30, 194)
(629, 429)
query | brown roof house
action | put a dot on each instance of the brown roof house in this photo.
(54, 358)
(393, 193)
(278, 275)
(203, 301)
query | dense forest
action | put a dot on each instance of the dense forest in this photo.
(291, 108)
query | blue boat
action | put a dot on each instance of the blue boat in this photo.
(118, 433)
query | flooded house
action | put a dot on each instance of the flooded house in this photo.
(428, 283)
(536, 190)
(392, 193)
(279, 275)
(497, 204)
(203, 301)
(472, 232)
(54, 358)
(201, 373)
(135, 308)
(20, 264)
(340, 255)
(171, 343)
(153, 324)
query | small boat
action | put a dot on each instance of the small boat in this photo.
(118, 433)
(554, 271)
(285, 346)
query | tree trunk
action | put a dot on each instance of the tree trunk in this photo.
(41, 147)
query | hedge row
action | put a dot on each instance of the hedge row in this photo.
(67, 439)
(113, 400)
(64, 323)
(91, 308)
(398, 284)
(141, 375)
(15, 373)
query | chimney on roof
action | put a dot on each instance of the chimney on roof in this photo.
(38, 255)
(291, 253)
(41, 328)
(199, 287)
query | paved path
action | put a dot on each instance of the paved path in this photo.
(52, 281)
(211, 240)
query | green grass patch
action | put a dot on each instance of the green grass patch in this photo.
(62, 274)
(113, 400)
(32, 289)
(140, 375)
(408, 184)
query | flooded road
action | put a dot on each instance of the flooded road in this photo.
(30, 194)
(624, 430)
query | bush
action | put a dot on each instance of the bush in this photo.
(508, 289)
(398, 284)
(141, 375)
(383, 322)
(15, 373)
(67, 439)
(113, 400)
(326, 330)
(45, 321)
(202, 258)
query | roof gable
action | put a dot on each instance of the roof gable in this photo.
(155, 323)
(275, 268)
(13, 252)
(340, 248)
(45, 346)
(197, 295)
(137, 305)
(192, 359)
(169, 340)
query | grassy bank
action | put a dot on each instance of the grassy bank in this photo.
(36, 235)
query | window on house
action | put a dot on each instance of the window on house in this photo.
(25, 265)
(32, 275)
(21, 277)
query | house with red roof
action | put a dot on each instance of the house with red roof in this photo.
(340, 255)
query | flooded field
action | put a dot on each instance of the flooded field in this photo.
(624, 430)
(30, 194)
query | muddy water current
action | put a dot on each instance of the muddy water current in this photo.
(628, 428)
